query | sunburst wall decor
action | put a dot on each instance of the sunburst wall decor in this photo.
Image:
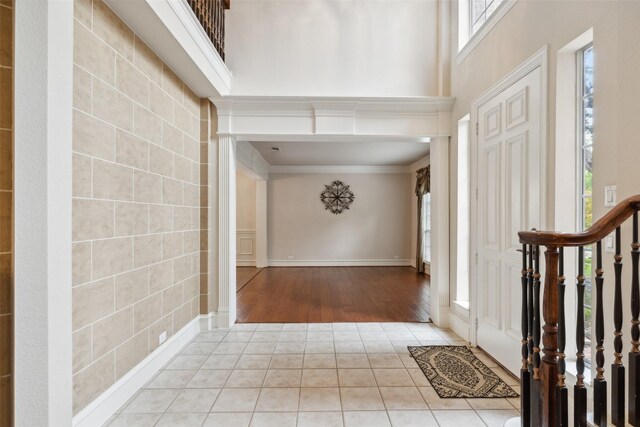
(337, 197)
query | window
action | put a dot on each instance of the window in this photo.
(462, 263)
(426, 227)
(480, 11)
(585, 176)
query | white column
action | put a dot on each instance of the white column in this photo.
(226, 231)
(261, 223)
(439, 155)
(43, 183)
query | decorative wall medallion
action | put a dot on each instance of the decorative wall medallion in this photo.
(336, 197)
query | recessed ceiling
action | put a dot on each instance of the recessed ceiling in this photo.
(351, 153)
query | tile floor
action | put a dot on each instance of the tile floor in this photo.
(287, 375)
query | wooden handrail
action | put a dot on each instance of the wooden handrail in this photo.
(598, 231)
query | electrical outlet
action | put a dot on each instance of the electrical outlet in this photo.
(162, 337)
(396, 257)
(290, 257)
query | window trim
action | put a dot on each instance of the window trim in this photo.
(467, 42)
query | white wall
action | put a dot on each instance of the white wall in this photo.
(333, 48)
(375, 228)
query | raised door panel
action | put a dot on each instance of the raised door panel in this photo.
(516, 172)
(491, 198)
(491, 293)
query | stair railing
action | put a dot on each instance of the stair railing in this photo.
(210, 14)
(544, 396)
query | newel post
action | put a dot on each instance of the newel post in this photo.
(549, 362)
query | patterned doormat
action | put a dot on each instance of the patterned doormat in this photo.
(454, 371)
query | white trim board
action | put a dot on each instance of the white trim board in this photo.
(246, 263)
(340, 263)
(339, 169)
(104, 406)
(460, 326)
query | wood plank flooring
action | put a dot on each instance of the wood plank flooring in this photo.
(244, 276)
(335, 294)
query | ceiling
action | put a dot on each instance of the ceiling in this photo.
(342, 153)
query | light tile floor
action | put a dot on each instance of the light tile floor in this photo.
(306, 375)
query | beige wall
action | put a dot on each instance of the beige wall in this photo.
(526, 28)
(6, 212)
(136, 205)
(376, 226)
(245, 202)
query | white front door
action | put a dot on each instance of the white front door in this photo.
(508, 201)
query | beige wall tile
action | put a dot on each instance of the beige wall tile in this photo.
(182, 268)
(195, 263)
(147, 125)
(191, 287)
(92, 54)
(82, 97)
(81, 259)
(81, 348)
(192, 102)
(172, 192)
(191, 149)
(110, 332)
(111, 181)
(172, 84)
(172, 138)
(82, 175)
(91, 302)
(147, 187)
(163, 325)
(131, 150)
(6, 284)
(92, 219)
(148, 62)
(82, 11)
(171, 245)
(132, 287)
(90, 382)
(161, 102)
(182, 118)
(147, 312)
(191, 241)
(6, 344)
(147, 250)
(171, 298)
(131, 219)
(160, 219)
(93, 137)
(6, 39)
(182, 219)
(182, 316)
(161, 276)
(131, 353)
(6, 102)
(110, 28)
(112, 106)
(192, 196)
(132, 82)
(182, 168)
(160, 161)
(6, 154)
(111, 256)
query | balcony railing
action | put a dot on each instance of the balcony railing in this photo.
(210, 13)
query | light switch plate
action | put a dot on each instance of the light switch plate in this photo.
(610, 196)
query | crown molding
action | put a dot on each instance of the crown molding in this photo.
(338, 169)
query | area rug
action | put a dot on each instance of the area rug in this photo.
(454, 371)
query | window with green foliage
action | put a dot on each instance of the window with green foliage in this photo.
(585, 176)
(426, 227)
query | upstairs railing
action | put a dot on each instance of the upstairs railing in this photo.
(544, 395)
(210, 13)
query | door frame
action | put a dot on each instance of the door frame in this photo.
(537, 60)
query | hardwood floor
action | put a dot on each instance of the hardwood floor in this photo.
(335, 294)
(244, 276)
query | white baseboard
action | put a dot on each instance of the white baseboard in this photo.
(460, 327)
(246, 263)
(339, 262)
(104, 406)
